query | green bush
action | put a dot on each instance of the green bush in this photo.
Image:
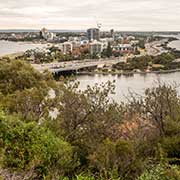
(161, 172)
(171, 148)
(27, 146)
(115, 159)
(17, 75)
(81, 177)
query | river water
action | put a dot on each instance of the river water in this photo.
(9, 47)
(175, 44)
(136, 83)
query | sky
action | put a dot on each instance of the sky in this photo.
(124, 15)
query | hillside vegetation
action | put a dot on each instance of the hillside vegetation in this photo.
(53, 131)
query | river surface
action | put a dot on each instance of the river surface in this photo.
(9, 47)
(175, 44)
(136, 83)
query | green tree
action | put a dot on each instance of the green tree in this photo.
(17, 75)
(158, 104)
(108, 51)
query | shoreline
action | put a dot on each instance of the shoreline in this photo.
(22, 43)
(12, 55)
(130, 73)
(170, 44)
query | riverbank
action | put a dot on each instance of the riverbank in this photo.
(12, 56)
(128, 73)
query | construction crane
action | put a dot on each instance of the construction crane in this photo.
(99, 25)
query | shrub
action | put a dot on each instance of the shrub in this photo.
(161, 172)
(115, 159)
(29, 147)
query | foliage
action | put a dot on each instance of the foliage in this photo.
(108, 51)
(165, 61)
(81, 177)
(161, 172)
(158, 104)
(17, 75)
(29, 147)
(91, 137)
(114, 159)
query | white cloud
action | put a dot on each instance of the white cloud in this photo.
(81, 14)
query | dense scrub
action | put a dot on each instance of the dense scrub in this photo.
(165, 61)
(52, 130)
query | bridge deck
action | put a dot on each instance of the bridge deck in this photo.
(74, 65)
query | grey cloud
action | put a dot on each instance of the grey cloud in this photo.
(79, 14)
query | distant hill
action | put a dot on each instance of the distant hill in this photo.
(35, 30)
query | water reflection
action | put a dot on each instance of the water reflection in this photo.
(134, 83)
(9, 47)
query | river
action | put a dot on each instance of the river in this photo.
(9, 47)
(124, 84)
(175, 44)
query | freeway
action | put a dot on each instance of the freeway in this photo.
(154, 48)
(75, 65)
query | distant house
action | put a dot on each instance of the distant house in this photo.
(123, 48)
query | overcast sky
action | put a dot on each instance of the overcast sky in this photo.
(136, 15)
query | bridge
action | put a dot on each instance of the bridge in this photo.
(69, 70)
(61, 68)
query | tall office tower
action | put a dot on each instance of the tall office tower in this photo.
(93, 34)
(112, 33)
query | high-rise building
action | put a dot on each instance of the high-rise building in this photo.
(93, 34)
(112, 33)
(45, 34)
(95, 47)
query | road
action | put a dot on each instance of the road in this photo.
(75, 65)
(154, 48)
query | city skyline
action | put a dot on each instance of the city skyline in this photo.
(129, 15)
